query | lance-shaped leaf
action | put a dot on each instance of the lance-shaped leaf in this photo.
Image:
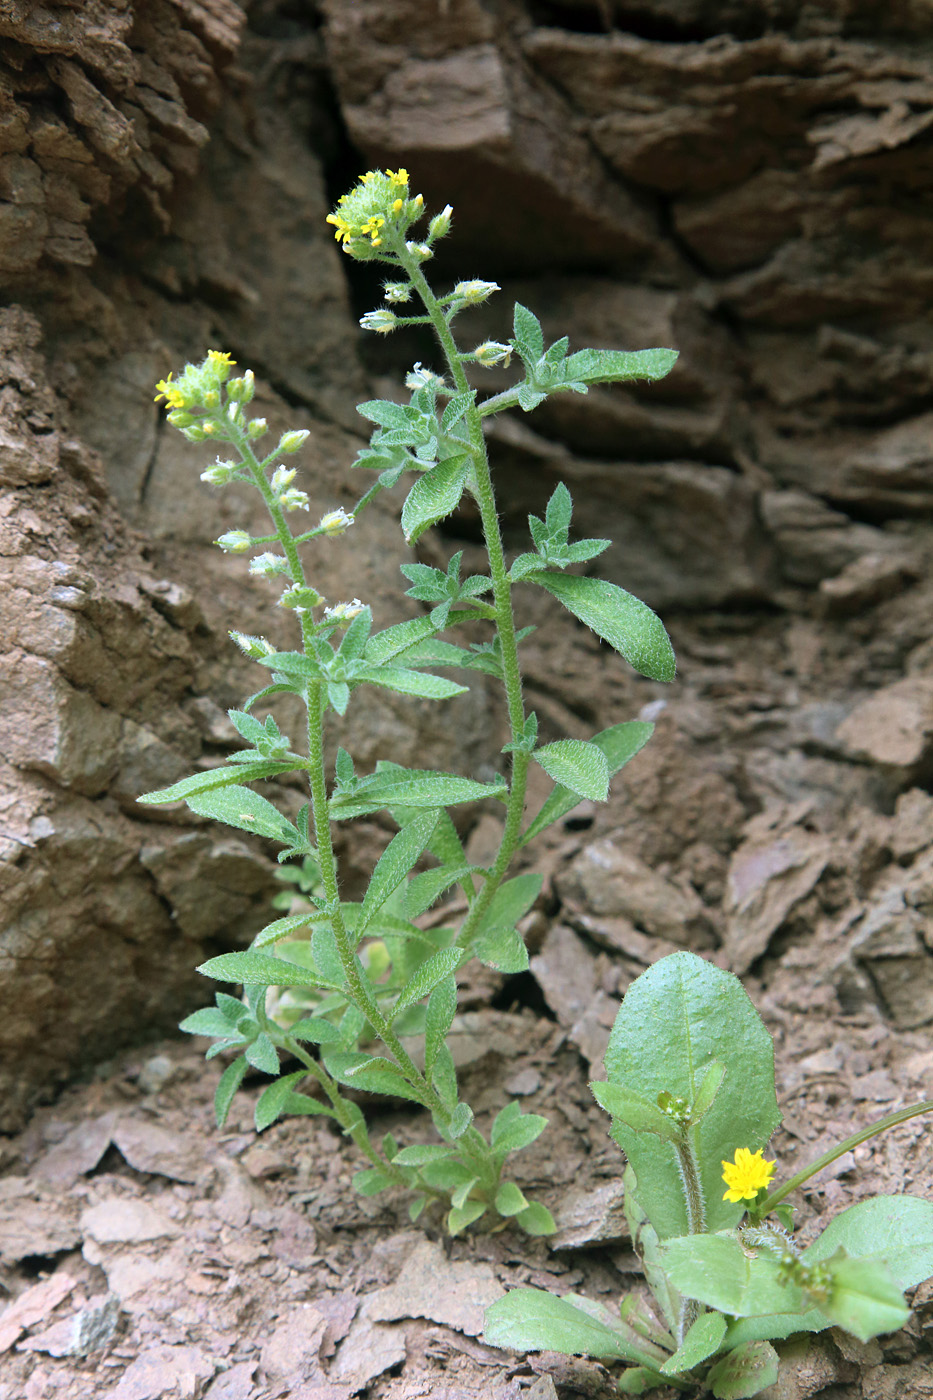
(613, 366)
(406, 682)
(621, 619)
(241, 807)
(227, 1085)
(434, 496)
(399, 857)
(441, 1010)
(392, 786)
(373, 1074)
(393, 641)
(619, 743)
(259, 969)
(285, 928)
(434, 971)
(701, 1342)
(577, 765)
(218, 778)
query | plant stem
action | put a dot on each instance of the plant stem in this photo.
(890, 1121)
(502, 596)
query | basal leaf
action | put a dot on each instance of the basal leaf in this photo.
(895, 1229)
(743, 1372)
(527, 1319)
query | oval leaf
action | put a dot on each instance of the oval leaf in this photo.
(577, 765)
(621, 619)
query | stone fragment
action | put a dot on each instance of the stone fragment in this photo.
(565, 970)
(123, 1220)
(777, 866)
(815, 542)
(78, 1152)
(893, 728)
(35, 1221)
(369, 1349)
(593, 1216)
(452, 1292)
(150, 1148)
(291, 1354)
(608, 879)
(865, 582)
(33, 1305)
(163, 1371)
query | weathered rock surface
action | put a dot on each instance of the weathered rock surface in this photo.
(739, 181)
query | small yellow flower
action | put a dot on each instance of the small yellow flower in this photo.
(173, 396)
(221, 357)
(746, 1175)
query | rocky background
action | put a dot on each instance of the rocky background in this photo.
(745, 180)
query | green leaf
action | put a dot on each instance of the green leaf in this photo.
(372, 1073)
(461, 1216)
(424, 889)
(702, 1341)
(218, 778)
(419, 1155)
(612, 366)
(745, 1371)
(434, 496)
(284, 928)
(510, 1199)
(446, 1175)
(511, 901)
(459, 1121)
(619, 743)
(432, 973)
(209, 1021)
(399, 857)
(636, 1113)
(527, 1319)
(271, 1102)
(227, 1085)
(460, 1196)
(315, 1030)
(536, 1219)
(621, 619)
(517, 1132)
(370, 1181)
(638, 1380)
(406, 682)
(442, 1007)
(577, 765)
(896, 1230)
(502, 948)
(676, 1019)
(716, 1270)
(259, 969)
(706, 1094)
(458, 406)
(391, 786)
(297, 1104)
(393, 641)
(863, 1298)
(444, 1078)
(527, 330)
(263, 1055)
(245, 809)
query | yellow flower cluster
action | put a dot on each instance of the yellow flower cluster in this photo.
(746, 1175)
(360, 216)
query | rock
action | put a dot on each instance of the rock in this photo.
(865, 582)
(815, 542)
(892, 729)
(776, 867)
(452, 1292)
(608, 879)
(120, 1219)
(566, 972)
(594, 1216)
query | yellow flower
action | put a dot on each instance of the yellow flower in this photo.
(220, 357)
(746, 1175)
(173, 396)
(379, 199)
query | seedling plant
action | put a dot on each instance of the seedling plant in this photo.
(690, 1087)
(361, 995)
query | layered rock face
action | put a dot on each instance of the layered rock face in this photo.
(744, 182)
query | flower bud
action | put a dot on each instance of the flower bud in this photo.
(268, 565)
(180, 419)
(440, 224)
(301, 598)
(194, 434)
(210, 398)
(475, 291)
(242, 390)
(397, 291)
(257, 427)
(292, 441)
(219, 474)
(343, 613)
(381, 321)
(282, 477)
(421, 378)
(492, 352)
(255, 647)
(235, 542)
(421, 251)
(335, 522)
(294, 500)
